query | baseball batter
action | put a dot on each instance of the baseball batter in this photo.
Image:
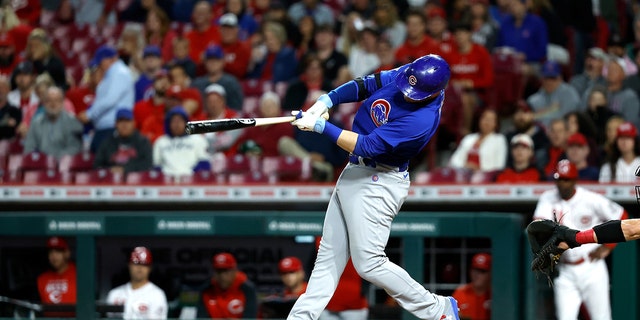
(400, 113)
(583, 275)
(141, 298)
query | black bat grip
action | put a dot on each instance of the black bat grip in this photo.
(197, 128)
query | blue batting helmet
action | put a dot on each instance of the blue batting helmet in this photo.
(424, 77)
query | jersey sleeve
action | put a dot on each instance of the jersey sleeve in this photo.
(606, 209)
(544, 207)
(160, 308)
(363, 87)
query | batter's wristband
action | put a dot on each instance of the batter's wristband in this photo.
(609, 232)
(331, 131)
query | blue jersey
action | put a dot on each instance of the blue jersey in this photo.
(391, 130)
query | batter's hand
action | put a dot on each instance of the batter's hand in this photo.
(321, 106)
(306, 121)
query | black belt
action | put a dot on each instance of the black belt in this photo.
(371, 163)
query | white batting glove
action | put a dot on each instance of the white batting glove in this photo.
(321, 105)
(306, 121)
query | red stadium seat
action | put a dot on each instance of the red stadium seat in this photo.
(446, 175)
(509, 79)
(251, 177)
(151, 177)
(4, 147)
(202, 177)
(255, 87)
(483, 177)
(233, 164)
(46, 177)
(16, 146)
(31, 162)
(98, 177)
(79, 162)
(287, 168)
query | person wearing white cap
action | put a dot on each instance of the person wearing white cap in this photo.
(592, 74)
(522, 169)
(621, 100)
(216, 108)
(237, 52)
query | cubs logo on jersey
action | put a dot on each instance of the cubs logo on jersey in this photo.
(379, 111)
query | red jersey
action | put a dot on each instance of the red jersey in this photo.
(81, 98)
(267, 137)
(199, 41)
(408, 52)
(475, 66)
(58, 288)
(236, 58)
(446, 45)
(473, 306)
(288, 294)
(226, 304)
(510, 175)
(146, 109)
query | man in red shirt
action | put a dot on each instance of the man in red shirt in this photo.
(418, 43)
(437, 29)
(58, 285)
(190, 98)
(149, 113)
(203, 33)
(522, 169)
(236, 52)
(474, 298)
(230, 295)
(82, 96)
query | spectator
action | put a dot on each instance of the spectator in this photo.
(386, 18)
(300, 92)
(24, 95)
(28, 11)
(149, 113)
(558, 134)
(321, 13)
(10, 115)
(485, 29)
(58, 285)
(82, 96)
(364, 8)
(437, 29)
(333, 61)
(54, 132)
(216, 108)
(42, 83)
(10, 23)
(191, 99)
(247, 24)
(180, 56)
(278, 13)
(484, 150)
(598, 112)
(474, 298)
(96, 12)
(621, 100)
(151, 63)
(40, 53)
(500, 11)
(157, 32)
(203, 33)
(214, 64)
(137, 10)
(9, 59)
(624, 158)
(363, 57)
(524, 32)
(237, 52)
(522, 168)
(268, 137)
(115, 90)
(126, 150)
(592, 75)
(611, 133)
(293, 278)
(279, 62)
(578, 122)
(231, 295)
(471, 72)
(417, 43)
(141, 298)
(177, 153)
(616, 49)
(349, 33)
(577, 152)
(130, 46)
(555, 97)
(304, 43)
(386, 55)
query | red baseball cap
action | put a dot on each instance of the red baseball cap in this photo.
(577, 139)
(481, 261)
(566, 170)
(437, 12)
(627, 129)
(224, 261)
(289, 264)
(57, 243)
(141, 255)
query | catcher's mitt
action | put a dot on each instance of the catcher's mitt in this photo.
(544, 237)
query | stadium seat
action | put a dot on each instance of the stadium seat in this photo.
(446, 175)
(510, 81)
(152, 177)
(255, 87)
(222, 164)
(287, 168)
(483, 177)
(4, 147)
(202, 177)
(251, 177)
(46, 177)
(31, 162)
(98, 177)
(79, 162)
(16, 146)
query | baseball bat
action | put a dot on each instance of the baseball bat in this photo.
(204, 126)
(21, 303)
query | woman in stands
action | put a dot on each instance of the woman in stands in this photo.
(157, 31)
(624, 158)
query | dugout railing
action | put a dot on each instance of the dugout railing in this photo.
(516, 291)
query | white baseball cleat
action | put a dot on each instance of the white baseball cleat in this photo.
(450, 309)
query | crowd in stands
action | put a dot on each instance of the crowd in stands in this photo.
(97, 91)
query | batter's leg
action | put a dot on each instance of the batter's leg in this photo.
(595, 293)
(566, 295)
(373, 204)
(329, 265)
